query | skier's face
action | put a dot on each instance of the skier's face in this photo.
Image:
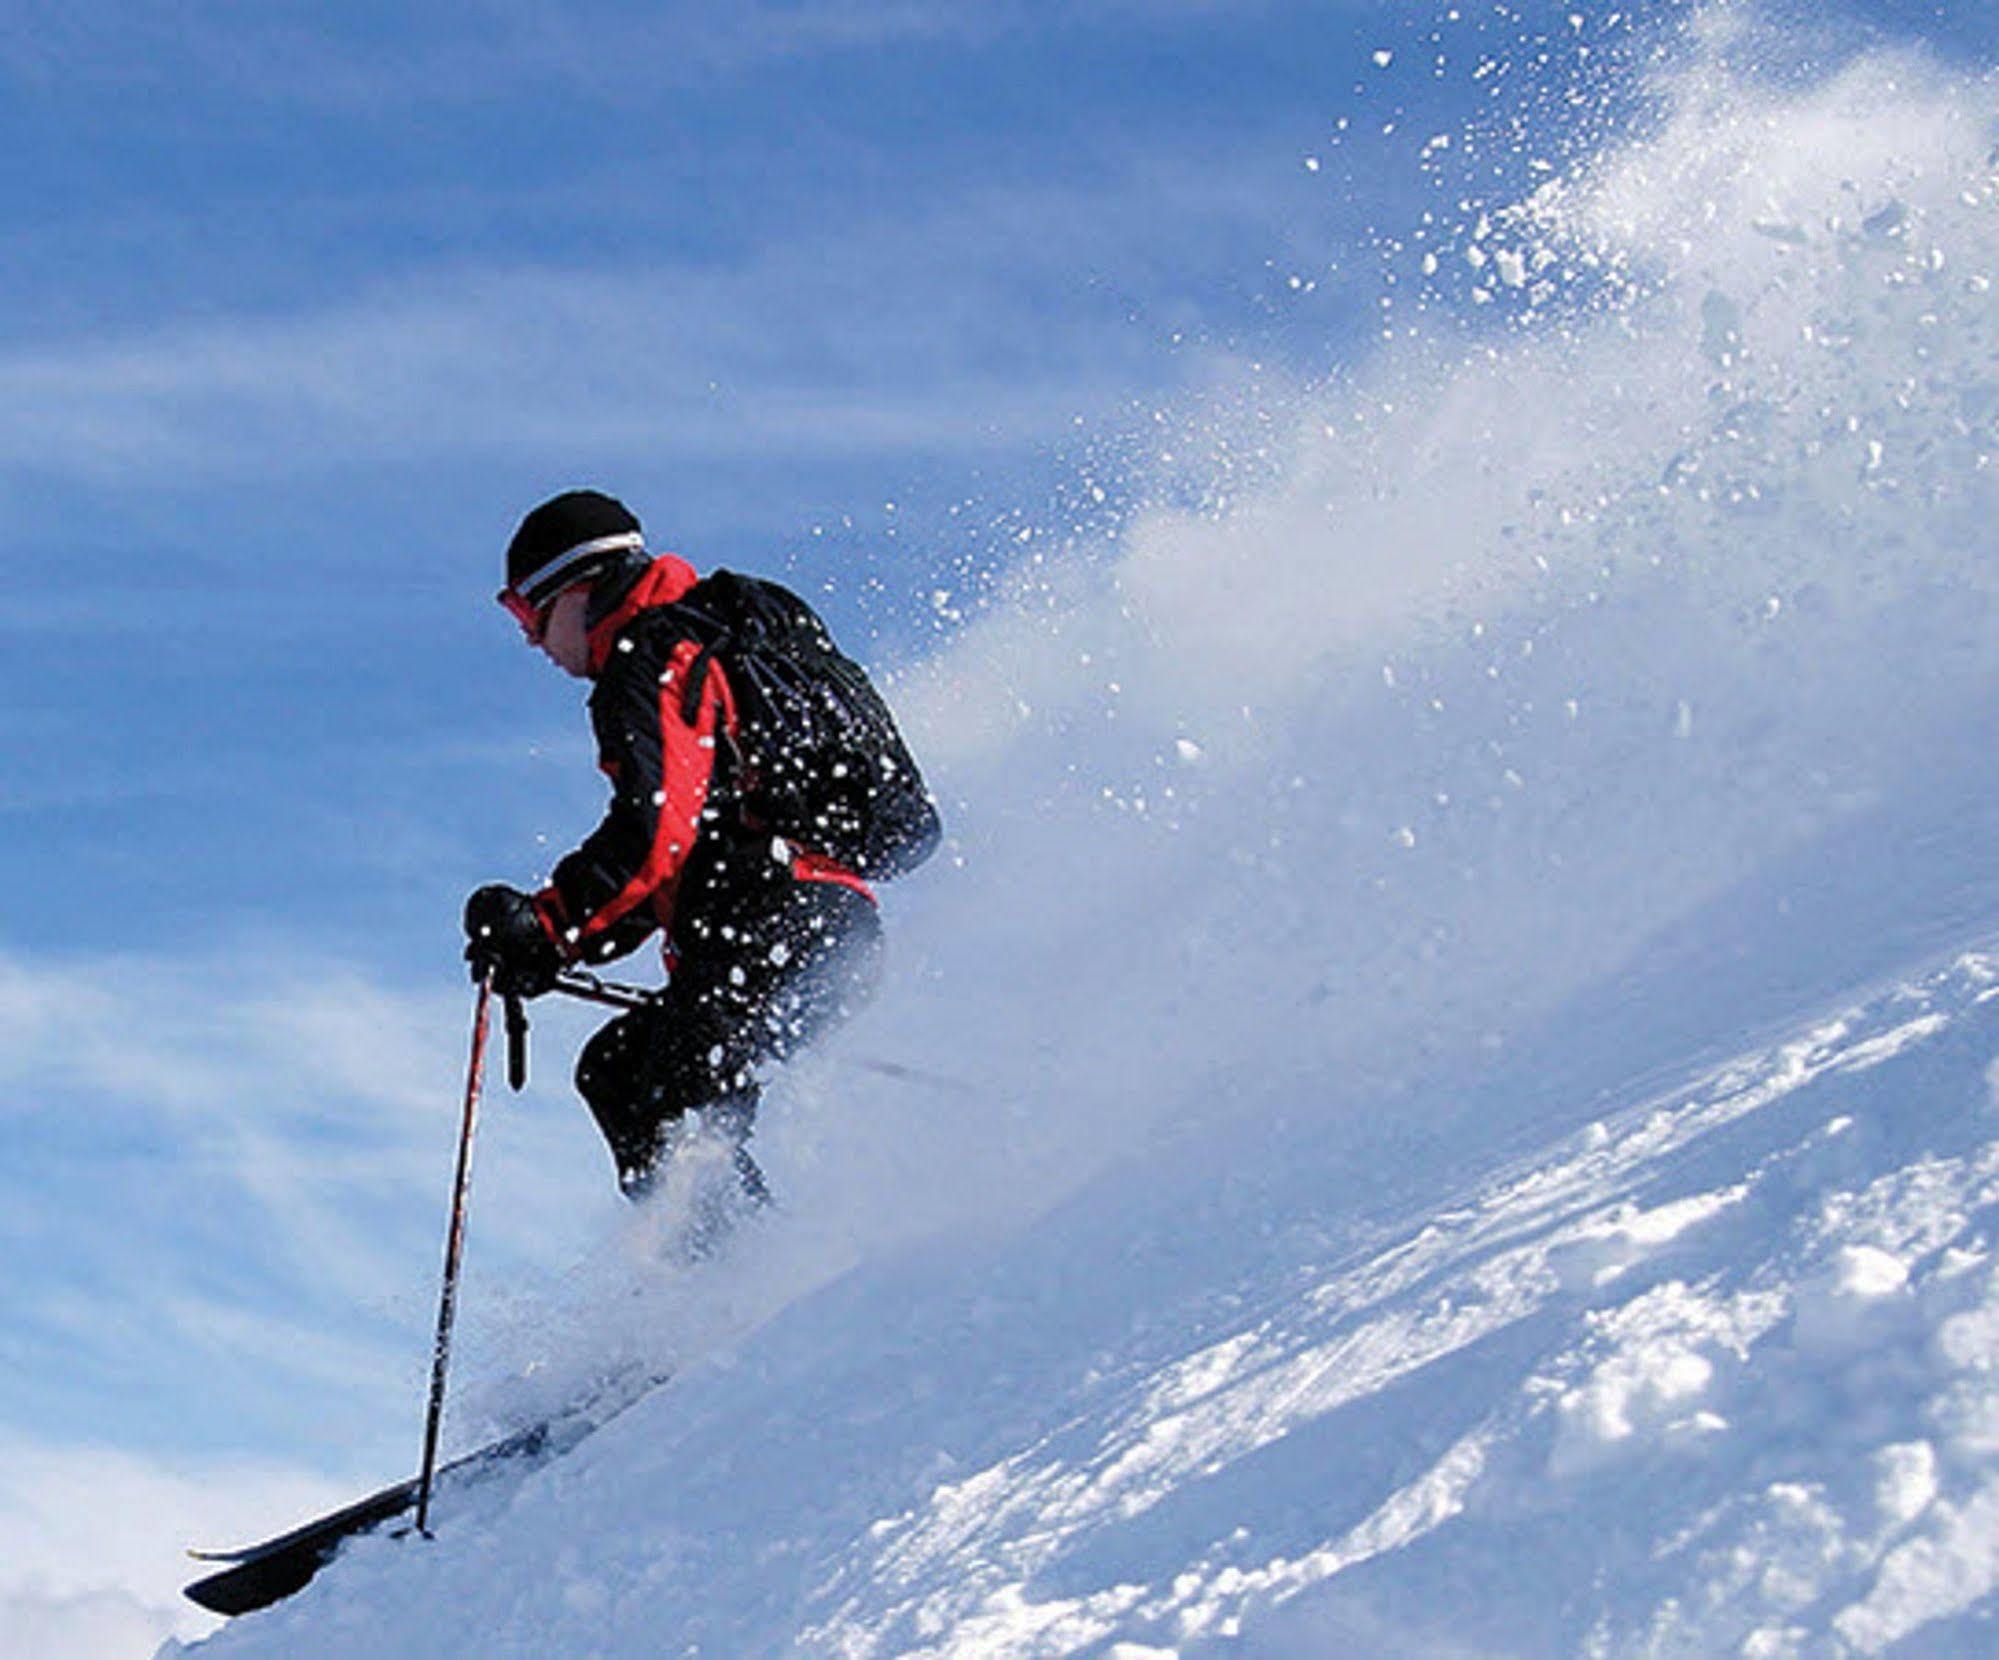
(565, 638)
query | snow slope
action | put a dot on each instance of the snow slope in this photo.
(1716, 1373)
(1450, 1108)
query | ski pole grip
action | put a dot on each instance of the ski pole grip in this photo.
(517, 1043)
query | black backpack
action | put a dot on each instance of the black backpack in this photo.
(818, 758)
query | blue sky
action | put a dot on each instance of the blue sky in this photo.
(302, 306)
(302, 312)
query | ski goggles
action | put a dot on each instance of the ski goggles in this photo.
(564, 571)
(532, 618)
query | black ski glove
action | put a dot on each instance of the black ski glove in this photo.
(504, 933)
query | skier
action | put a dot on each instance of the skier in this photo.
(726, 828)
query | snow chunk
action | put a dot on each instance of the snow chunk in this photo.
(1969, 1342)
(1905, 1481)
(1646, 1389)
(1945, 1570)
(1841, 1307)
(1865, 1271)
(1604, 1247)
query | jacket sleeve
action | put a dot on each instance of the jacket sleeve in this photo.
(605, 897)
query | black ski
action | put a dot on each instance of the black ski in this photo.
(259, 1575)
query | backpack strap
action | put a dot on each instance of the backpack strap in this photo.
(715, 636)
(697, 678)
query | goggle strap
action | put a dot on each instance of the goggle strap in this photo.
(540, 586)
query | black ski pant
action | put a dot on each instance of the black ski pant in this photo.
(743, 993)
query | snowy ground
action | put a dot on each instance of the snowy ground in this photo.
(1717, 1373)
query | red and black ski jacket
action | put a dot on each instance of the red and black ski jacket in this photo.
(675, 850)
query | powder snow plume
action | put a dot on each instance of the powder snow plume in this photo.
(1576, 693)
(1521, 643)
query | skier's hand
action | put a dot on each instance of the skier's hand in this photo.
(503, 933)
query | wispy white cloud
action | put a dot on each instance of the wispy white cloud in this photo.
(91, 1543)
(238, 1165)
(968, 328)
(89, 1625)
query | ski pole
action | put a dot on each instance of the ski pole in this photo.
(454, 1250)
(588, 988)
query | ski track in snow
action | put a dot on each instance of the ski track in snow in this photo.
(1717, 1373)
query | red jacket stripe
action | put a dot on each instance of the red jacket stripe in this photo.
(687, 768)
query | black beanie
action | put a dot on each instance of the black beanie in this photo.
(567, 539)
